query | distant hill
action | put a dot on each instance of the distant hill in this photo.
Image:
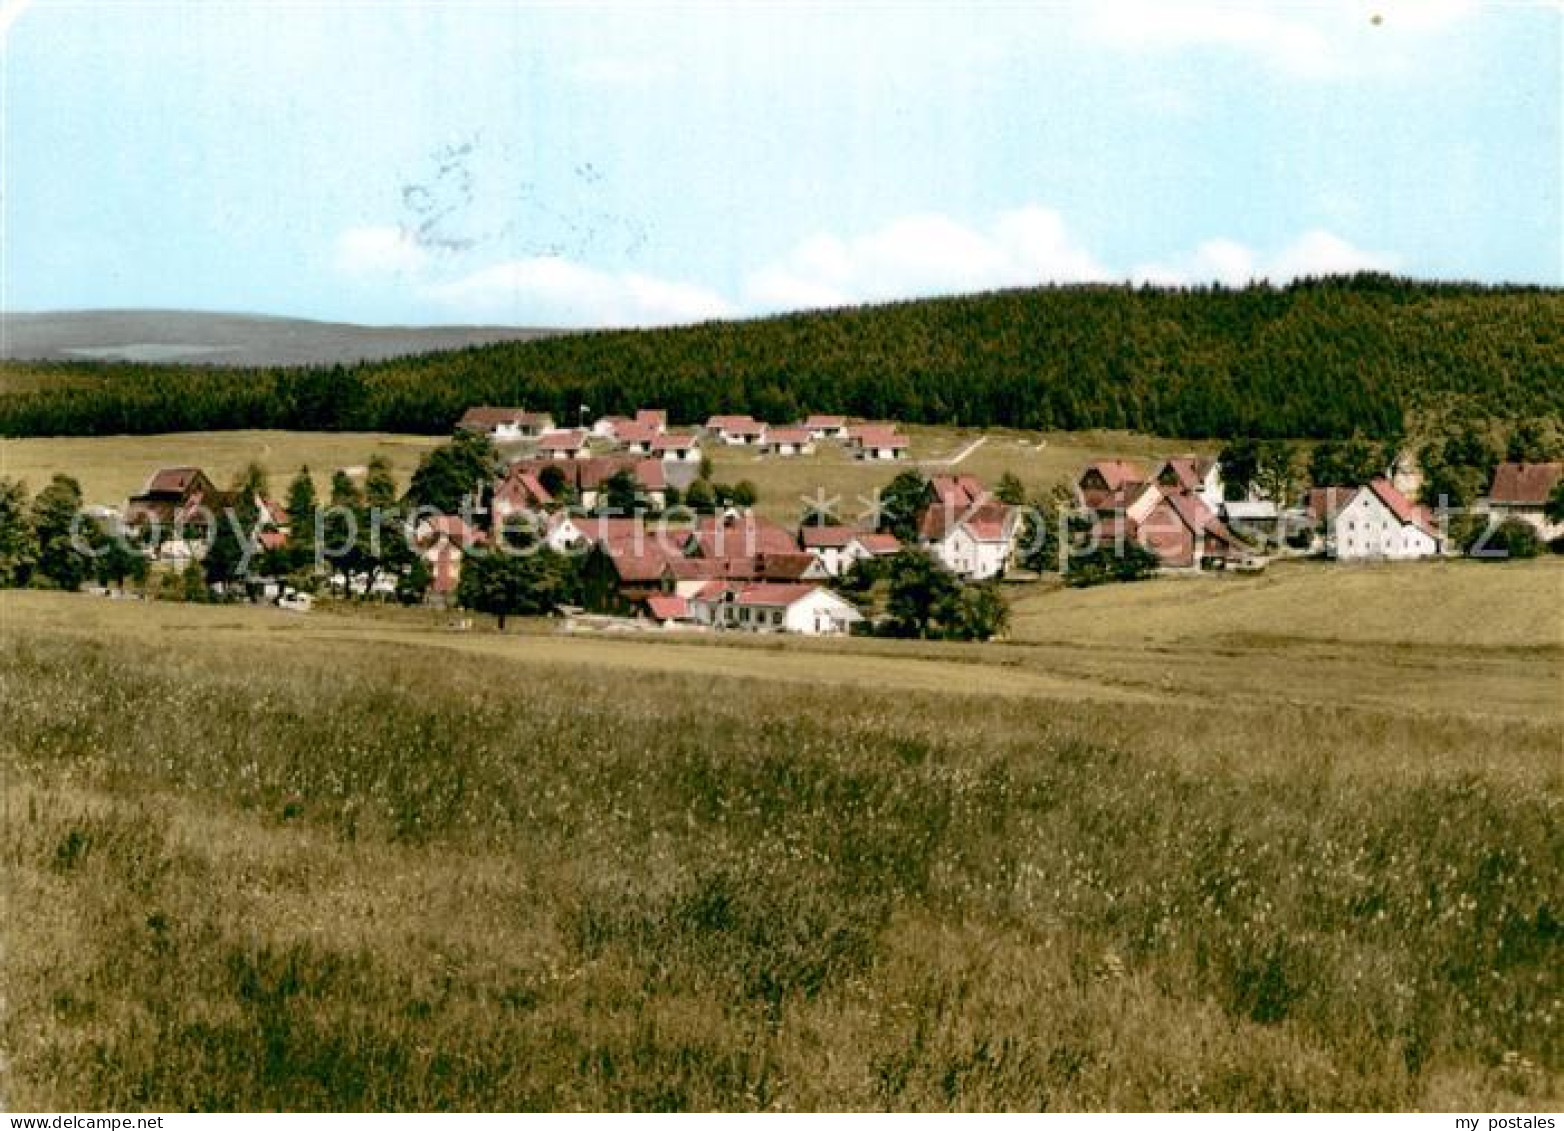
(193, 337)
(1319, 358)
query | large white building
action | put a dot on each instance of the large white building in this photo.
(1377, 522)
(764, 606)
(966, 529)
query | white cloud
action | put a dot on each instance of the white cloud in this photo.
(373, 251)
(1315, 40)
(1233, 264)
(552, 291)
(923, 255)
(915, 256)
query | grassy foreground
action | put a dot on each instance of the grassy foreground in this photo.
(259, 861)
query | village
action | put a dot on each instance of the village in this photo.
(659, 545)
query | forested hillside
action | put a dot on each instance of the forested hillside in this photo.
(1314, 359)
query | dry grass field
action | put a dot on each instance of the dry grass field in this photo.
(1150, 855)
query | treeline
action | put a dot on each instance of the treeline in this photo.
(1316, 359)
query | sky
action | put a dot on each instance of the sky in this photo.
(600, 164)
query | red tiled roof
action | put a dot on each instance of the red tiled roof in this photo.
(785, 567)
(716, 536)
(740, 425)
(566, 440)
(1524, 484)
(770, 594)
(825, 537)
(653, 418)
(788, 436)
(591, 474)
(673, 443)
(633, 432)
(172, 480)
(668, 607)
(1116, 473)
(489, 416)
(1399, 505)
(879, 436)
(1189, 471)
(879, 544)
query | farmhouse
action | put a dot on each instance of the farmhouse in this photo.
(567, 444)
(520, 492)
(169, 493)
(1522, 490)
(878, 442)
(504, 424)
(788, 442)
(831, 545)
(677, 449)
(809, 610)
(966, 529)
(736, 429)
(1379, 522)
(1183, 532)
(1110, 484)
(827, 427)
(1195, 474)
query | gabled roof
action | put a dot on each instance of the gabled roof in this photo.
(1407, 514)
(1196, 516)
(826, 537)
(670, 443)
(718, 536)
(740, 425)
(817, 420)
(489, 416)
(666, 606)
(1116, 473)
(771, 594)
(1524, 484)
(637, 559)
(591, 474)
(788, 436)
(879, 436)
(962, 501)
(654, 418)
(633, 432)
(1188, 471)
(879, 545)
(788, 567)
(564, 440)
(172, 481)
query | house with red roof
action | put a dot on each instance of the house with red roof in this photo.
(966, 529)
(1378, 522)
(505, 424)
(681, 448)
(825, 427)
(768, 606)
(1522, 490)
(878, 442)
(788, 442)
(1182, 531)
(1197, 475)
(654, 418)
(738, 430)
(1111, 484)
(565, 444)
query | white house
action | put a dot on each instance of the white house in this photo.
(738, 430)
(505, 424)
(568, 444)
(1521, 490)
(765, 606)
(677, 449)
(1379, 522)
(879, 442)
(788, 442)
(966, 529)
(823, 427)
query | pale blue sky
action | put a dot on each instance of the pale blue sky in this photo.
(598, 164)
